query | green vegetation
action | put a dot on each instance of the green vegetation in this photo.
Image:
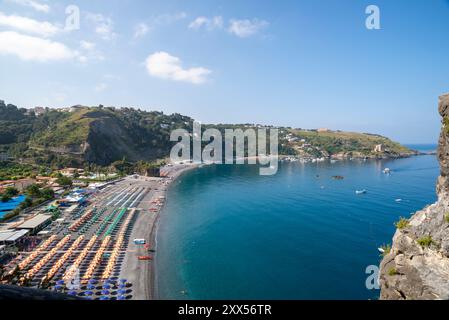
(103, 136)
(392, 272)
(426, 241)
(15, 171)
(386, 249)
(446, 217)
(64, 181)
(34, 192)
(356, 144)
(402, 223)
(446, 124)
(5, 197)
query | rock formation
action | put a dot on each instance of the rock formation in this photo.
(417, 266)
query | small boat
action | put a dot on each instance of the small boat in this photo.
(361, 192)
(387, 171)
(381, 250)
(398, 200)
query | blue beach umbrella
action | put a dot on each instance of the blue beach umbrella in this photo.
(106, 286)
(105, 292)
(121, 291)
(72, 293)
(89, 293)
(121, 298)
(93, 281)
(105, 298)
(59, 287)
(123, 280)
(60, 282)
(122, 286)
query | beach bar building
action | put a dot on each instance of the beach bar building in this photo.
(11, 237)
(35, 224)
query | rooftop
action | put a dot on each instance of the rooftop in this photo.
(34, 222)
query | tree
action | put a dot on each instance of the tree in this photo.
(64, 181)
(5, 197)
(33, 191)
(28, 202)
(11, 191)
(47, 193)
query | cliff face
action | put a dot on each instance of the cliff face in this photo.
(417, 267)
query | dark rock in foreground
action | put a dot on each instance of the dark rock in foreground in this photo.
(20, 293)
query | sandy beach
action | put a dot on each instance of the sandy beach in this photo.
(143, 273)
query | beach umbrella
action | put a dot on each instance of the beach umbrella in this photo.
(90, 287)
(72, 293)
(105, 298)
(121, 298)
(105, 292)
(122, 286)
(123, 280)
(59, 287)
(93, 281)
(89, 293)
(60, 282)
(106, 286)
(121, 291)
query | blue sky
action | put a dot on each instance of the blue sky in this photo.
(305, 64)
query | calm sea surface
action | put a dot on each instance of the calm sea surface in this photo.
(228, 233)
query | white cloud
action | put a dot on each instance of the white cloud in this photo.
(42, 28)
(86, 45)
(165, 66)
(141, 30)
(89, 52)
(41, 7)
(104, 26)
(101, 87)
(208, 23)
(31, 48)
(246, 28)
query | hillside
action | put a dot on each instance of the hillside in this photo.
(339, 144)
(102, 135)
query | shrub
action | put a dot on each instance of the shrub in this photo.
(402, 223)
(386, 248)
(5, 197)
(392, 272)
(11, 191)
(446, 217)
(425, 241)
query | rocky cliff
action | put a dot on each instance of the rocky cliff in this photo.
(417, 266)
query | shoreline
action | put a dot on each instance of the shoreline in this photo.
(152, 291)
(175, 173)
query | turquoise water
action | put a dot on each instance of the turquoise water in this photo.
(6, 207)
(228, 233)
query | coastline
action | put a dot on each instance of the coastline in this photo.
(151, 276)
(151, 280)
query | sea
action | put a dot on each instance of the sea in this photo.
(228, 233)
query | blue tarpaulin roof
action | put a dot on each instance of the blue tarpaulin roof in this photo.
(6, 207)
